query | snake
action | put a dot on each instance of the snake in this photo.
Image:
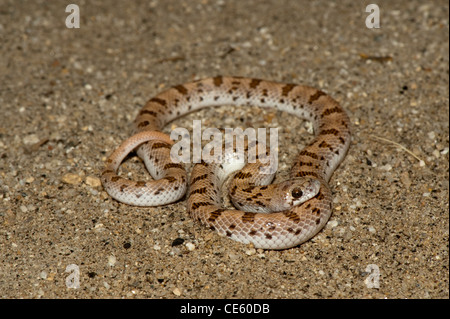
(268, 216)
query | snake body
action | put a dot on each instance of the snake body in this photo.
(302, 205)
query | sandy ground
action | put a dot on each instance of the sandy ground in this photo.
(68, 98)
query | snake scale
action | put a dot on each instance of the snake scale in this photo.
(302, 205)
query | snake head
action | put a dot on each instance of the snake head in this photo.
(299, 190)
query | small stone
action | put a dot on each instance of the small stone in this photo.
(93, 181)
(333, 223)
(29, 180)
(98, 226)
(250, 251)
(177, 241)
(51, 276)
(112, 260)
(72, 179)
(190, 246)
(176, 292)
(30, 139)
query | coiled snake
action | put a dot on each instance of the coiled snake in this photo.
(302, 205)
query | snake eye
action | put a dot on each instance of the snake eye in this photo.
(297, 193)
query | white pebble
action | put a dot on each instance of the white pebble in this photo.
(112, 260)
(372, 229)
(250, 251)
(333, 223)
(176, 292)
(98, 226)
(30, 139)
(190, 246)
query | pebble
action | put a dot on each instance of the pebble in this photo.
(72, 179)
(333, 223)
(386, 167)
(176, 292)
(30, 139)
(29, 180)
(190, 246)
(112, 260)
(250, 251)
(93, 181)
